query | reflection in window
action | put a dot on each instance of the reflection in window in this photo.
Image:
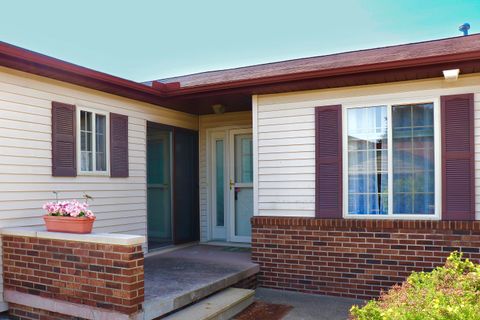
(367, 161)
(412, 160)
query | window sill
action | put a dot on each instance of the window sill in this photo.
(93, 174)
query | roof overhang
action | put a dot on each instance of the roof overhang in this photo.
(238, 97)
(32, 62)
(235, 95)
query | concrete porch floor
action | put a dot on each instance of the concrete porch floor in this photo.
(177, 278)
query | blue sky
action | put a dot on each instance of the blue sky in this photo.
(143, 40)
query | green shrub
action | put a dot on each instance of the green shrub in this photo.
(451, 292)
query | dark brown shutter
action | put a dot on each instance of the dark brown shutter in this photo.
(64, 162)
(458, 174)
(118, 145)
(328, 162)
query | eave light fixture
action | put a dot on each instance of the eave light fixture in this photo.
(218, 109)
(451, 75)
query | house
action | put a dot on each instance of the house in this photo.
(345, 172)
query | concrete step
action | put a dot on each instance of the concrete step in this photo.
(221, 306)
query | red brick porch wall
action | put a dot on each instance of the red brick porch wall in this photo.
(354, 258)
(18, 311)
(104, 276)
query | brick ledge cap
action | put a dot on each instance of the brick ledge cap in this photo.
(103, 238)
(466, 225)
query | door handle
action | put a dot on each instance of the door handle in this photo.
(232, 184)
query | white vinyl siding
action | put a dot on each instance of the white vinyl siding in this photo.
(25, 153)
(26, 180)
(210, 122)
(286, 137)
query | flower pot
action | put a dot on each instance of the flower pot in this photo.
(69, 224)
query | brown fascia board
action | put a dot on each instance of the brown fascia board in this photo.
(35, 59)
(32, 62)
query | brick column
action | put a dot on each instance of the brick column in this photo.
(65, 276)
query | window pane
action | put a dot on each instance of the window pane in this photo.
(402, 203)
(87, 161)
(357, 204)
(219, 182)
(83, 120)
(86, 155)
(89, 141)
(100, 139)
(413, 159)
(423, 115)
(89, 121)
(367, 160)
(243, 158)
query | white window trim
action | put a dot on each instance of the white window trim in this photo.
(107, 142)
(437, 158)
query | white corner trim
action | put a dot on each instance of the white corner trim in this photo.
(255, 153)
(62, 307)
(102, 238)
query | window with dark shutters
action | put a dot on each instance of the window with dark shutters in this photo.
(458, 175)
(63, 140)
(328, 162)
(118, 145)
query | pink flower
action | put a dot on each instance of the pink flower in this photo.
(71, 208)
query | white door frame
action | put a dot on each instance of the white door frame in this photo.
(233, 184)
(212, 135)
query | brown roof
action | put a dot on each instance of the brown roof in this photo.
(234, 88)
(390, 54)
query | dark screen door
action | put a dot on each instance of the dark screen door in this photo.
(172, 185)
(159, 187)
(186, 215)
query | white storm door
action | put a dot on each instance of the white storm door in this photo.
(240, 185)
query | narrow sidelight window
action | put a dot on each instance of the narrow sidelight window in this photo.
(93, 142)
(219, 183)
(391, 160)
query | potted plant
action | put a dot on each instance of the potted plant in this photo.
(69, 216)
